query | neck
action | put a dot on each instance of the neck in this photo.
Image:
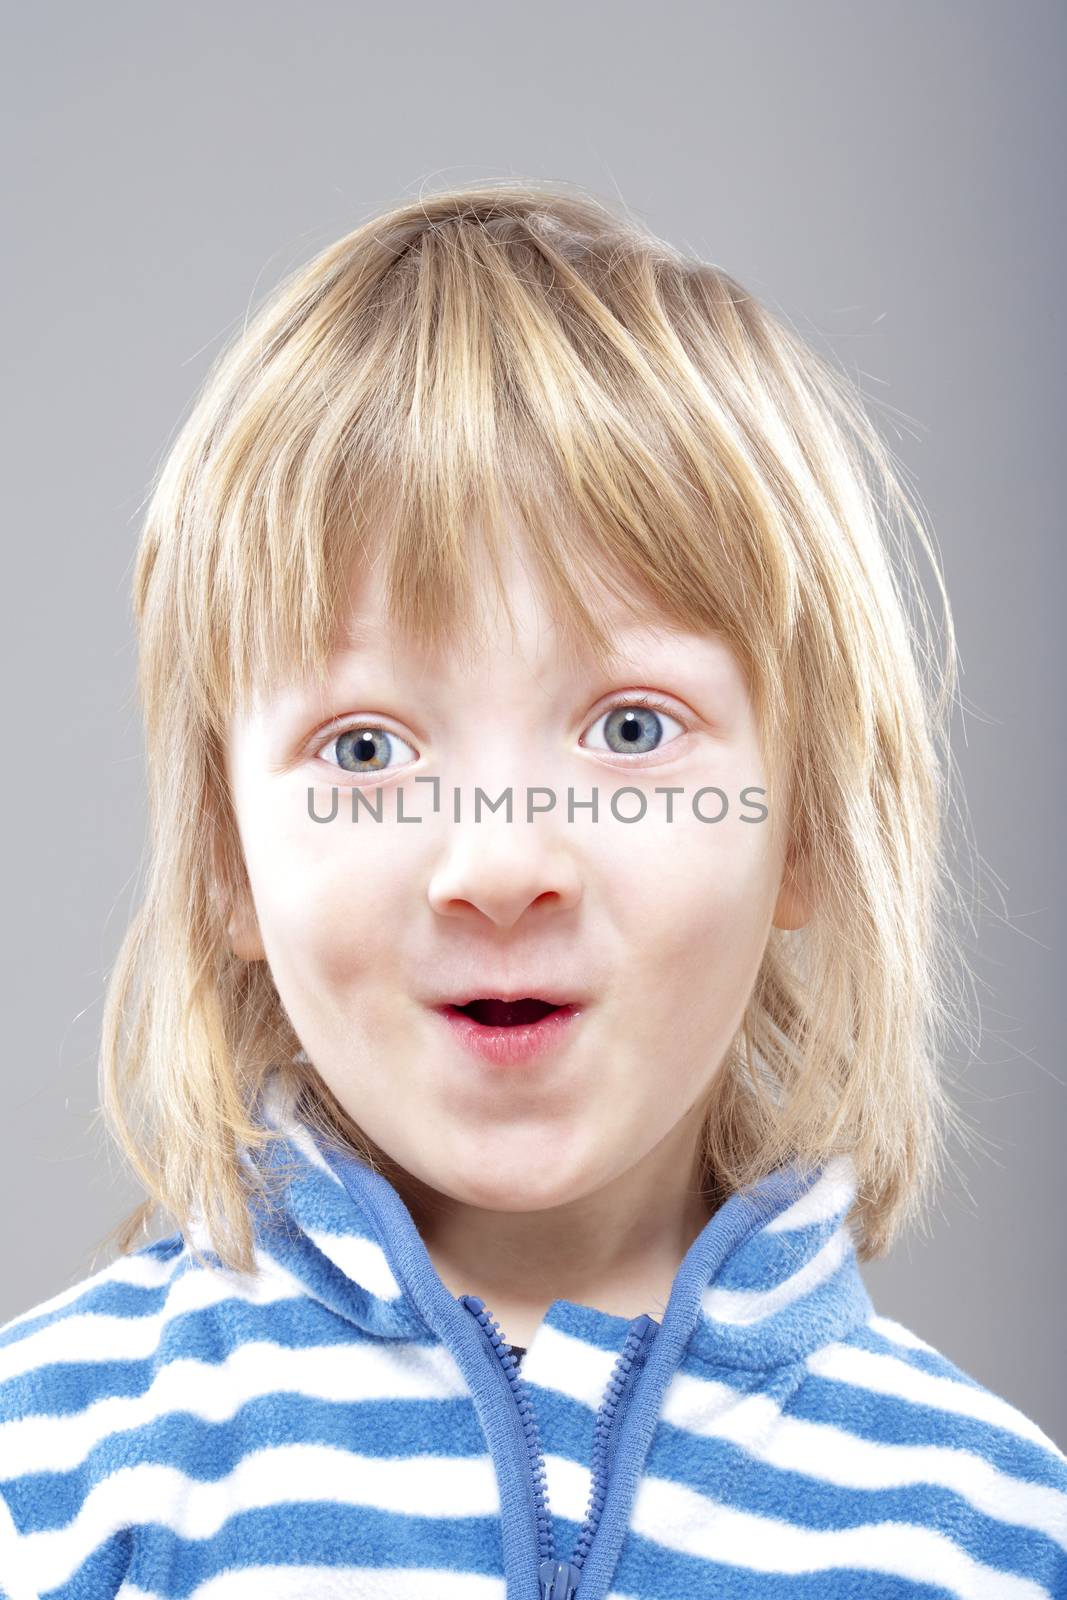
(617, 1248)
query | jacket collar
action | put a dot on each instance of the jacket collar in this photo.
(771, 1277)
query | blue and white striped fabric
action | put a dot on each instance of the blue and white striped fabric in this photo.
(338, 1424)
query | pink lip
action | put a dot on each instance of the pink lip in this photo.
(506, 1047)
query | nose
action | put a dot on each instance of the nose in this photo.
(502, 869)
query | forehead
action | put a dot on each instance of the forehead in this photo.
(508, 651)
(523, 630)
(508, 661)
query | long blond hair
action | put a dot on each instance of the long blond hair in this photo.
(523, 349)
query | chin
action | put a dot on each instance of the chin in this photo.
(508, 1193)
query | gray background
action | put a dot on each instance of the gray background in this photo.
(885, 176)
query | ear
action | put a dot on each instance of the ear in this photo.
(246, 941)
(795, 903)
(236, 907)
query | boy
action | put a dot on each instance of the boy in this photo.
(522, 1159)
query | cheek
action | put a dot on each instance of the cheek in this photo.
(695, 900)
(330, 896)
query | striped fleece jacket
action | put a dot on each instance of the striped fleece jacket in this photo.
(339, 1424)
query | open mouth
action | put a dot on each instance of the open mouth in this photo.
(506, 1013)
(512, 1032)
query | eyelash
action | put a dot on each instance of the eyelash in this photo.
(650, 702)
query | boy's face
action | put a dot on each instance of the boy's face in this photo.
(658, 927)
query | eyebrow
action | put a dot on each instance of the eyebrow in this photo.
(357, 635)
(632, 639)
(711, 678)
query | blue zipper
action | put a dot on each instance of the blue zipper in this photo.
(559, 1579)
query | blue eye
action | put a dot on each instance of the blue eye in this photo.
(635, 726)
(364, 748)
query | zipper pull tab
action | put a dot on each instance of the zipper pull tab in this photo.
(559, 1580)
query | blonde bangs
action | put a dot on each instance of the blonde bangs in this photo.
(418, 396)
